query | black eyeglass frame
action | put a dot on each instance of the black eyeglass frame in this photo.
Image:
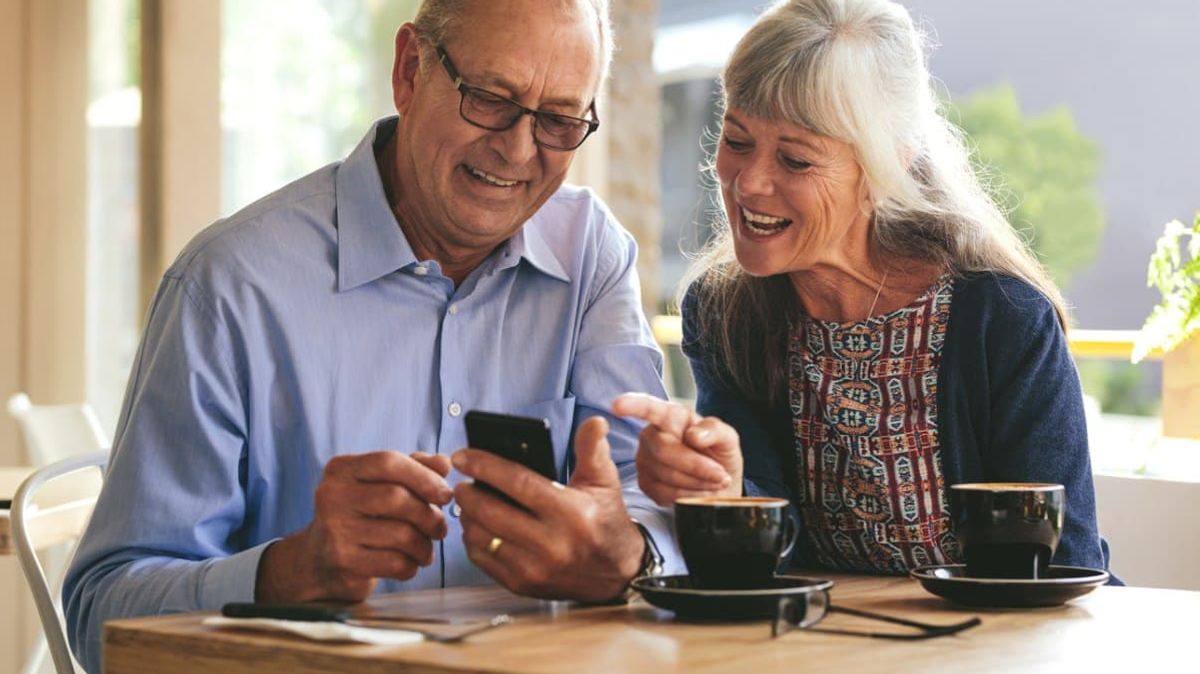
(465, 89)
(805, 611)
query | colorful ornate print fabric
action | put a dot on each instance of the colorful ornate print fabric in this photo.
(864, 410)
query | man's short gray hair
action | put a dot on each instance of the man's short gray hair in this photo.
(436, 22)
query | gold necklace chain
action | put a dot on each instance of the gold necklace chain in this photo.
(871, 311)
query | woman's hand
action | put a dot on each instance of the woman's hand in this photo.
(681, 453)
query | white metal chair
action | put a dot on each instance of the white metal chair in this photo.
(55, 432)
(33, 527)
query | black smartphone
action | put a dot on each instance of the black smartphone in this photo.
(523, 440)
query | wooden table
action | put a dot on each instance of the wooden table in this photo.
(63, 507)
(1110, 628)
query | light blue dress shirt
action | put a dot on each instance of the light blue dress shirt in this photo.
(302, 328)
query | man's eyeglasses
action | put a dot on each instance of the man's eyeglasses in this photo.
(494, 112)
(805, 611)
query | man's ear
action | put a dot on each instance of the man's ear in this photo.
(406, 67)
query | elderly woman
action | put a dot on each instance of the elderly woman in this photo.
(866, 329)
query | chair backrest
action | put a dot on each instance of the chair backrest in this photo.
(25, 523)
(56, 432)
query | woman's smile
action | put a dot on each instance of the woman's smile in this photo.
(762, 224)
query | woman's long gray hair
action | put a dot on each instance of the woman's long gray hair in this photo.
(853, 70)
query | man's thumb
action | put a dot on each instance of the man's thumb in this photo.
(593, 460)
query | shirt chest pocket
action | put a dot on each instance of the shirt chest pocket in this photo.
(560, 412)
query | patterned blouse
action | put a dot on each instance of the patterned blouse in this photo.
(863, 398)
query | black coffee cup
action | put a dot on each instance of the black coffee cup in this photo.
(733, 543)
(1008, 529)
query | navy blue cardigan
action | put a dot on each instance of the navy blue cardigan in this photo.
(1010, 408)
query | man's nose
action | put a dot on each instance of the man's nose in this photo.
(516, 143)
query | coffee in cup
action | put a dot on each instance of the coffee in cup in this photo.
(1008, 529)
(733, 543)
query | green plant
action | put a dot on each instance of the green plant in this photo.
(1121, 388)
(1177, 315)
(1043, 170)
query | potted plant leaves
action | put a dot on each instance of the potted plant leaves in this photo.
(1173, 325)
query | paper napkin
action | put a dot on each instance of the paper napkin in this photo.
(319, 631)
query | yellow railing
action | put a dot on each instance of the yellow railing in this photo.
(668, 329)
(1115, 344)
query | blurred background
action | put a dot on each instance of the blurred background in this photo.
(128, 125)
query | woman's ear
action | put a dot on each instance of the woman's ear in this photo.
(865, 203)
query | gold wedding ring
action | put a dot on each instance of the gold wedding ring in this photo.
(494, 544)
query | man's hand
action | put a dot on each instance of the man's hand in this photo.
(569, 542)
(376, 517)
(681, 453)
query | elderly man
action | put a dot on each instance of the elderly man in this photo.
(294, 414)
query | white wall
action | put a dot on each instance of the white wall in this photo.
(1153, 528)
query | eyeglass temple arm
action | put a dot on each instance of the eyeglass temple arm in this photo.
(903, 621)
(928, 631)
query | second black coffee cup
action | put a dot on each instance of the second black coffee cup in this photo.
(1008, 529)
(733, 543)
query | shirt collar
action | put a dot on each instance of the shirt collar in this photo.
(529, 243)
(370, 242)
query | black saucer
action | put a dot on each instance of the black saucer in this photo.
(1062, 584)
(677, 594)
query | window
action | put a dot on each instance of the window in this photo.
(302, 80)
(113, 117)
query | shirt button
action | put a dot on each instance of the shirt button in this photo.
(455, 409)
(455, 510)
(420, 270)
(453, 309)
